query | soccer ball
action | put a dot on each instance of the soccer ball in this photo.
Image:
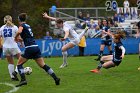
(27, 70)
(139, 68)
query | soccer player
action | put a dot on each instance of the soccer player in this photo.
(69, 33)
(115, 59)
(105, 40)
(10, 47)
(32, 51)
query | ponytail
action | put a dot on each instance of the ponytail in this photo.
(8, 20)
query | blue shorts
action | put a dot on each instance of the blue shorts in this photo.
(116, 61)
(106, 42)
(32, 53)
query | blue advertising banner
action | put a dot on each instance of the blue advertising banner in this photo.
(53, 47)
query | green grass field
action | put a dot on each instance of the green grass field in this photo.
(76, 78)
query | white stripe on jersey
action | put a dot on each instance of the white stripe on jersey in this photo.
(8, 34)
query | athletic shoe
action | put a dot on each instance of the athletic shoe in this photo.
(63, 65)
(22, 83)
(15, 76)
(57, 81)
(95, 71)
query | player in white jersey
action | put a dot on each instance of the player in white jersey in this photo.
(69, 33)
(10, 47)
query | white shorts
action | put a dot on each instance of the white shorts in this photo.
(75, 41)
(11, 51)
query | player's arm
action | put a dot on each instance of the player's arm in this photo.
(123, 51)
(17, 37)
(66, 36)
(0, 41)
(45, 15)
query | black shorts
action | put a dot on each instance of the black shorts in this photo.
(32, 53)
(116, 61)
(106, 42)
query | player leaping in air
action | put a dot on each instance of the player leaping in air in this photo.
(69, 33)
(115, 59)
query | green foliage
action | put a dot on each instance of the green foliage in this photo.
(76, 78)
(35, 8)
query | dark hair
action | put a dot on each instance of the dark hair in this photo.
(22, 17)
(59, 21)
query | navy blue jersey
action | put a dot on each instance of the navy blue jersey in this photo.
(107, 37)
(27, 35)
(117, 50)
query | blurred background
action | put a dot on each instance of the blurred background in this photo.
(35, 8)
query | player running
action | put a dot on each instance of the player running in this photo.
(69, 33)
(32, 51)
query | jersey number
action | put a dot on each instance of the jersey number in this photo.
(7, 32)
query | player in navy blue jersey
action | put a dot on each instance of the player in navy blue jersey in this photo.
(118, 54)
(105, 40)
(32, 51)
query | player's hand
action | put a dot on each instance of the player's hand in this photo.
(62, 39)
(45, 15)
(122, 56)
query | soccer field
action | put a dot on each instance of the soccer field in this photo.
(76, 78)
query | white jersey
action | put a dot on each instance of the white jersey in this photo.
(8, 34)
(72, 33)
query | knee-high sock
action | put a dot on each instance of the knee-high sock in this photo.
(100, 65)
(82, 34)
(21, 72)
(64, 57)
(11, 69)
(50, 71)
(16, 70)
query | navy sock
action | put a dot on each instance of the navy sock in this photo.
(21, 72)
(100, 65)
(50, 72)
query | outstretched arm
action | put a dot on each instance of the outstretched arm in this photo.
(45, 15)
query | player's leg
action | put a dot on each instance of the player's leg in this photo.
(83, 32)
(40, 62)
(64, 53)
(102, 61)
(108, 64)
(16, 51)
(109, 47)
(10, 65)
(20, 68)
(102, 46)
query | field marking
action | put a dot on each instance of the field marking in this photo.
(11, 85)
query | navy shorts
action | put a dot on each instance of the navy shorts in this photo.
(116, 61)
(32, 53)
(106, 42)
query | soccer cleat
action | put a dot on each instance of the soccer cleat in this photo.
(22, 83)
(15, 76)
(63, 65)
(57, 81)
(95, 71)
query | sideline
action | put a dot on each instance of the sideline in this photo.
(11, 85)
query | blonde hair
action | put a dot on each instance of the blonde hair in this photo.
(8, 20)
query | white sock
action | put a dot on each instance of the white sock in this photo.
(82, 34)
(11, 69)
(64, 57)
(16, 69)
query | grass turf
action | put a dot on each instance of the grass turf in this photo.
(76, 78)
